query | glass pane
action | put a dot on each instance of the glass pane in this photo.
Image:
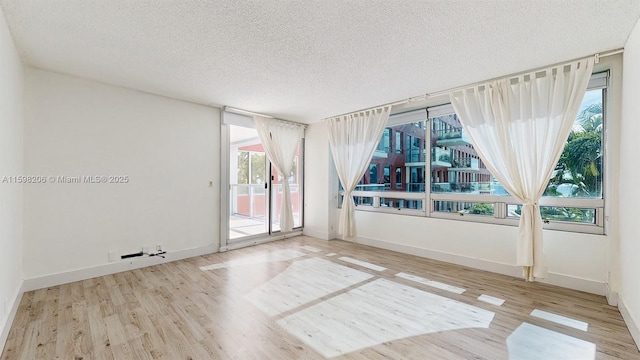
(373, 173)
(463, 207)
(579, 170)
(558, 213)
(359, 200)
(385, 142)
(400, 203)
(455, 165)
(243, 167)
(398, 163)
(276, 195)
(385, 202)
(247, 213)
(258, 162)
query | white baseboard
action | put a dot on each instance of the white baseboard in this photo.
(317, 234)
(575, 283)
(566, 281)
(114, 267)
(12, 315)
(632, 324)
(612, 297)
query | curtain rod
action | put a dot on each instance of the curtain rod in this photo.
(375, 107)
(245, 112)
(597, 57)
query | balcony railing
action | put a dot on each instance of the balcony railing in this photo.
(249, 199)
(468, 163)
(452, 136)
(449, 134)
(462, 187)
(414, 156)
(440, 154)
(373, 187)
(415, 187)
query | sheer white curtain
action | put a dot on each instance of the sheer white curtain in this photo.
(353, 139)
(519, 126)
(280, 141)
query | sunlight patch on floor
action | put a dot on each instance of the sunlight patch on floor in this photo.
(491, 300)
(378, 312)
(531, 342)
(302, 282)
(559, 319)
(310, 248)
(364, 264)
(271, 256)
(435, 284)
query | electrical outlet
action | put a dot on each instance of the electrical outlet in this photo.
(159, 247)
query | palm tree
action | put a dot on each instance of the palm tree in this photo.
(581, 161)
(590, 118)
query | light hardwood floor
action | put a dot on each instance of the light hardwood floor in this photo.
(305, 298)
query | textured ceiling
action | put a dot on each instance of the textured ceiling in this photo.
(307, 60)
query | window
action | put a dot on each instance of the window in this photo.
(410, 163)
(398, 144)
(435, 164)
(463, 188)
(396, 178)
(578, 173)
(373, 176)
(462, 208)
(387, 176)
(385, 143)
(251, 169)
(455, 165)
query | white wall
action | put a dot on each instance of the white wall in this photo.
(11, 164)
(169, 149)
(574, 260)
(320, 184)
(630, 187)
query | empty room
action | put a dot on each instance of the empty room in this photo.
(319, 179)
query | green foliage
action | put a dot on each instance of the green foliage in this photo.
(481, 209)
(580, 164)
(565, 214)
(568, 214)
(258, 161)
(257, 170)
(243, 167)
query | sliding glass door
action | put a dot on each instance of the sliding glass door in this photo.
(254, 194)
(248, 185)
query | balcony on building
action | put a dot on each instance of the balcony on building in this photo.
(465, 164)
(415, 157)
(452, 137)
(440, 157)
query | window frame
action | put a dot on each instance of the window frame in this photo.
(599, 80)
